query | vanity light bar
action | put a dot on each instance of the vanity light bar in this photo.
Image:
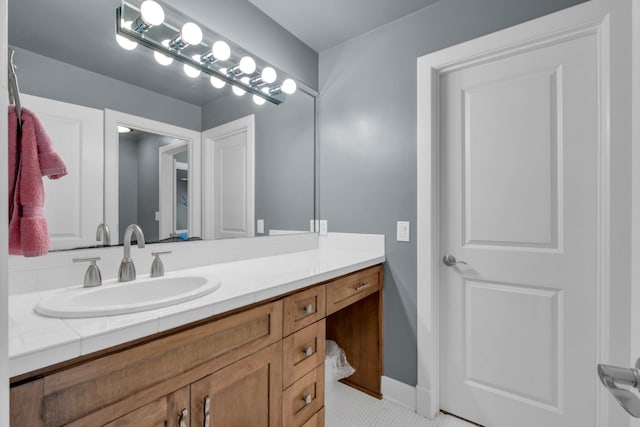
(229, 64)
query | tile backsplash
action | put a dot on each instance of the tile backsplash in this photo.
(57, 269)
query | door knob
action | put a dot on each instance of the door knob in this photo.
(614, 377)
(449, 260)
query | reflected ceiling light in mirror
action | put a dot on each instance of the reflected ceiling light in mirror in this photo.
(258, 100)
(161, 58)
(191, 71)
(123, 129)
(151, 13)
(238, 90)
(216, 82)
(191, 34)
(124, 42)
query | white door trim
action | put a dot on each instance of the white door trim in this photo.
(243, 124)
(114, 118)
(586, 18)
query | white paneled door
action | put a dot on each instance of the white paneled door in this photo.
(228, 179)
(519, 161)
(74, 203)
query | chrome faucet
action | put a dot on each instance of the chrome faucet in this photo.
(103, 233)
(127, 270)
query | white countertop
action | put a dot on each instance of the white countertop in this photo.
(36, 341)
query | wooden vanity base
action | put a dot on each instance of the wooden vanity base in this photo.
(260, 366)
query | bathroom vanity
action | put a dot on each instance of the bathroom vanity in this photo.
(257, 364)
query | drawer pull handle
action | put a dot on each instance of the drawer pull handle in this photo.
(308, 351)
(207, 411)
(308, 308)
(362, 287)
(182, 417)
(307, 399)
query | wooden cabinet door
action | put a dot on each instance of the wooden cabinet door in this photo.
(246, 393)
(168, 411)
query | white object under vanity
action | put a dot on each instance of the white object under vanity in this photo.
(250, 351)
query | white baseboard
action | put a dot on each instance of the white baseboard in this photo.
(398, 392)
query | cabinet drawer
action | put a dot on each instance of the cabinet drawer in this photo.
(317, 420)
(303, 351)
(110, 386)
(304, 398)
(354, 287)
(303, 309)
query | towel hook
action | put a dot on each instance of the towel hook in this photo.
(14, 91)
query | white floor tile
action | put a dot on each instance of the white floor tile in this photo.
(346, 407)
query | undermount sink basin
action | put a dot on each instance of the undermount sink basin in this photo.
(128, 297)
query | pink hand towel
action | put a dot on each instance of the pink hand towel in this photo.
(31, 156)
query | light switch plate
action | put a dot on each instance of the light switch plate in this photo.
(324, 227)
(157, 216)
(260, 226)
(403, 231)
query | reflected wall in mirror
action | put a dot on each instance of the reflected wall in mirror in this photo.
(152, 178)
(153, 184)
(133, 90)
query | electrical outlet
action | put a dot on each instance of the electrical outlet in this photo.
(324, 227)
(402, 231)
(260, 226)
(157, 216)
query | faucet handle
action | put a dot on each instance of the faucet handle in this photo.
(92, 277)
(157, 268)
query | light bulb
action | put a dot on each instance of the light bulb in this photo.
(191, 71)
(216, 82)
(289, 86)
(124, 42)
(269, 75)
(123, 129)
(247, 65)
(151, 13)
(162, 59)
(258, 100)
(221, 50)
(191, 33)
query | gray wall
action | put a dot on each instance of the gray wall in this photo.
(138, 182)
(127, 183)
(42, 76)
(148, 192)
(284, 155)
(367, 159)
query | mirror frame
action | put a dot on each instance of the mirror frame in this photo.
(113, 119)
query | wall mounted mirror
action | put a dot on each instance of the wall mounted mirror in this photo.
(160, 102)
